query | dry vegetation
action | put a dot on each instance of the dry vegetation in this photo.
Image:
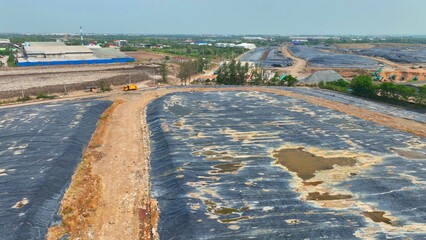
(82, 198)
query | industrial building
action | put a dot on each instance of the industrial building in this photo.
(57, 53)
(4, 43)
(249, 46)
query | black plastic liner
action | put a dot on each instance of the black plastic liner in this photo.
(40, 148)
(273, 59)
(319, 58)
(248, 126)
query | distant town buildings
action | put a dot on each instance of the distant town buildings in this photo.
(249, 46)
(304, 39)
(153, 46)
(4, 43)
(256, 38)
(121, 43)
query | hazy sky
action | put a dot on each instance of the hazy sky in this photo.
(359, 17)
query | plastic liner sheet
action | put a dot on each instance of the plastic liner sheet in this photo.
(193, 133)
(318, 57)
(40, 148)
(401, 54)
(419, 116)
(273, 59)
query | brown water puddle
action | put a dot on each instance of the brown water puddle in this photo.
(378, 216)
(227, 211)
(224, 211)
(305, 164)
(227, 168)
(214, 155)
(234, 219)
(409, 154)
(316, 196)
(313, 183)
(227, 157)
(178, 124)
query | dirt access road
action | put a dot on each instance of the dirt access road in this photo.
(299, 65)
(123, 208)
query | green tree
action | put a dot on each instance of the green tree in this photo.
(404, 93)
(395, 91)
(363, 86)
(187, 69)
(11, 62)
(387, 90)
(232, 72)
(257, 78)
(164, 71)
(222, 76)
(290, 80)
(201, 64)
(274, 81)
(341, 83)
(421, 94)
(188, 51)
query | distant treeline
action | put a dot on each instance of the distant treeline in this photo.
(234, 73)
(364, 86)
(189, 68)
(11, 62)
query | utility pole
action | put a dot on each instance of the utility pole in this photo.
(153, 72)
(81, 35)
(22, 91)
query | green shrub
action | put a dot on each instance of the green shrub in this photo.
(339, 85)
(45, 96)
(24, 99)
(363, 86)
(105, 87)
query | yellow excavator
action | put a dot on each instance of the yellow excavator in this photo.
(130, 87)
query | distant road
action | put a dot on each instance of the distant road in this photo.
(299, 65)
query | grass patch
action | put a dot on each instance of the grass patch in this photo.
(45, 96)
(24, 99)
(335, 88)
(105, 87)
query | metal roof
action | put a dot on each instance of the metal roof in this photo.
(38, 44)
(4, 41)
(57, 50)
(108, 53)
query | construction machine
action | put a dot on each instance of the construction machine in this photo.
(130, 87)
(376, 74)
(393, 77)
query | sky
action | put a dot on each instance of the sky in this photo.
(286, 17)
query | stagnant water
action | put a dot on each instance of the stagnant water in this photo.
(241, 165)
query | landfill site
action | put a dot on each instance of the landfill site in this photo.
(167, 161)
(399, 63)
